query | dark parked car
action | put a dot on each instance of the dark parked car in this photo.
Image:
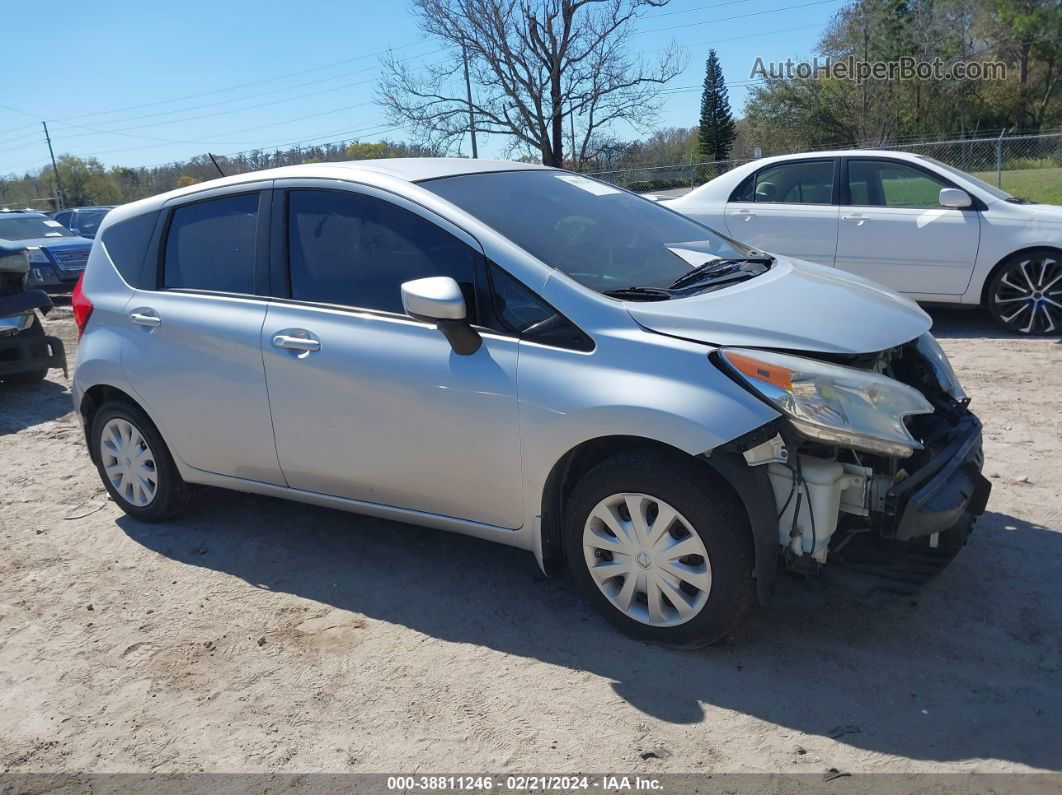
(57, 256)
(26, 353)
(82, 221)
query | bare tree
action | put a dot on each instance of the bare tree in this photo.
(547, 74)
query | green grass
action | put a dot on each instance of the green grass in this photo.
(1038, 185)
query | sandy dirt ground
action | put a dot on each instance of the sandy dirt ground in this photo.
(258, 635)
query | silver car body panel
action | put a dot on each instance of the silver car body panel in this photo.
(385, 419)
(797, 305)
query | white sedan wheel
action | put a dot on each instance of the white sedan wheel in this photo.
(647, 560)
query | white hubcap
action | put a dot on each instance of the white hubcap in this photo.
(128, 462)
(647, 560)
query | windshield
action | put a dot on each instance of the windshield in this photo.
(31, 227)
(88, 221)
(601, 236)
(992, 190)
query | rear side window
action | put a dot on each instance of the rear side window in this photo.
(211, 245)
(356, 250)
(795, 183)
(127, 243)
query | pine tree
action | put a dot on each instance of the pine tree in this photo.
(716, 134)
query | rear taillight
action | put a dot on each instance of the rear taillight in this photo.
(81, 305)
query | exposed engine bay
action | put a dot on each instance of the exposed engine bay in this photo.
(893, 520)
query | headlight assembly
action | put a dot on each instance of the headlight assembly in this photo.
(833, 404)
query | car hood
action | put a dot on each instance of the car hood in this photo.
(797, 305)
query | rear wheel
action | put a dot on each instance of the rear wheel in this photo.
(134, 463)
(660, 547)
(1025, 295)
(31, 376)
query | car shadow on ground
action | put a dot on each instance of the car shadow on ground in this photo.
(969, 670)
(25, 406)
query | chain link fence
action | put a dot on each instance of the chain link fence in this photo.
(1026, 165)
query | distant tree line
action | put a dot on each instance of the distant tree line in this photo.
(86, 181)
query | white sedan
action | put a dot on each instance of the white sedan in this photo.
(910, 222)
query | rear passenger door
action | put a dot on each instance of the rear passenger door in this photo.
(191, 348)
(788, 208)
(379, 408)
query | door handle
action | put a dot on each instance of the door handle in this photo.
(859, 218)
(145, 317)
(745, 214)
(293, 343)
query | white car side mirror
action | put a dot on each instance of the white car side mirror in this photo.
(956, 198)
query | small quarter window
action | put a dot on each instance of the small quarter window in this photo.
(522, 312)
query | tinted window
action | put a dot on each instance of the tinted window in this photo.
(211, 245)
(357, 250)
(127, 243)
(524, 313)
(88, 221)
(796, 183)
(599, 235)
(884, 183)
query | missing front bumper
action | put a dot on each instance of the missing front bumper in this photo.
(935, 497)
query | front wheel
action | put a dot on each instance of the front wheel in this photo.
(661, 547)
(1025, 295)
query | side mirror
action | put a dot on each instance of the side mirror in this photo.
(956, 198)
(439, 299)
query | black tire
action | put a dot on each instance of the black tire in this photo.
(30, 376)
(171, 492)
(1014, 300)
(708, 504)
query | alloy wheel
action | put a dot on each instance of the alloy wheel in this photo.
(646, 559)
(1028, 296)
(128, 462)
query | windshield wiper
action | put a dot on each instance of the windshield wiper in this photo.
(639, 293)
(1019, 200)
(716, 268)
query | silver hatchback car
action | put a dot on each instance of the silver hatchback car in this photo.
(532, 357)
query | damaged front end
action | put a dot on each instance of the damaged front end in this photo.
(24, 348)
(876, 468)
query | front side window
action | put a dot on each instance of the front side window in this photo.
(211, 245)
(603, 237)
(885, 183)
(795, 183)
(356, 250)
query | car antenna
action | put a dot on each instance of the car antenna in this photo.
(215, 162)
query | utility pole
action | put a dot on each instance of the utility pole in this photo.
(468, 93)
(55, 169)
